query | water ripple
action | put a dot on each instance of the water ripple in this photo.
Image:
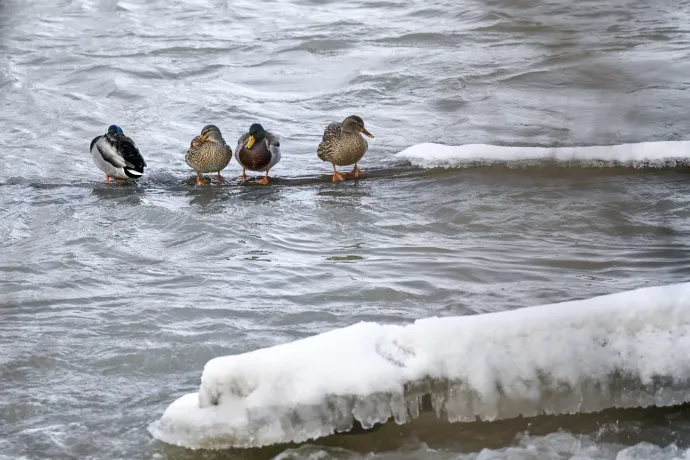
(113, 298)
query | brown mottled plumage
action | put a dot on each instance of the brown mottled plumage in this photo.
(342, 145)
(208, 153)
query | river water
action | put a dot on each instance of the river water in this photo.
(112, 298)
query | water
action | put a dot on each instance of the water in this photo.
(114, 297)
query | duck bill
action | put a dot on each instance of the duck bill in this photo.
(250, 142)
(367, 133)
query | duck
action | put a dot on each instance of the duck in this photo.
(257, 150)
(343, 145)
(117, 155)
(208, 153)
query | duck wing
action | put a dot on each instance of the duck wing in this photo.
(195, 142)
(331, 131)
(130, 153)
(108, 151)
(93, 142)
(329, 141)
(241, 143)
(273, 142)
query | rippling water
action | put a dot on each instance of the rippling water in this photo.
(114, 297)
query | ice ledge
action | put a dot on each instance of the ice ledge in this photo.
(623, 350)
(664, 154)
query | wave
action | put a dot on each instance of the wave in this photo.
(554, 446)
(670, 154)
(616, 351)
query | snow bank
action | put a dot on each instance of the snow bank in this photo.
(643, 155)
(630, 349)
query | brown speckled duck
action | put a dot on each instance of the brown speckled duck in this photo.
(208, 153)
(343, 145)
(257, 150)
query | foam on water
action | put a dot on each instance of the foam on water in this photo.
(640, 155)
(622, 350)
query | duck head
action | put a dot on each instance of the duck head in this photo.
(211, 133)
(354, 125)
(115, 130)
(256, 134)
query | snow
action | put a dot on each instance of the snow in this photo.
(630, 349)
(644, 154)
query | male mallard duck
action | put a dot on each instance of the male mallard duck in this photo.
(257, 150)
(343, 145)
(117, 155)
(208, 153)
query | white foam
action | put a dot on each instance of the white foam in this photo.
(641, 155)
(629, 349)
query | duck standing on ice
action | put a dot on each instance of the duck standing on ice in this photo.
(117, 155)
(208, 153)
(342, 145)
(257, 150)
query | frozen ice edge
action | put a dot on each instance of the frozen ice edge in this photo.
(666, 154)
(623, 350)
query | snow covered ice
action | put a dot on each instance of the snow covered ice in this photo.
(629, 349)
(639, 155)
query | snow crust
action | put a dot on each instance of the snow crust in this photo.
(630, 349)
(640, 155)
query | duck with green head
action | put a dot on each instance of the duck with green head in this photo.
(208, 153)
(117, 155)
(342, 144)
(257, 150)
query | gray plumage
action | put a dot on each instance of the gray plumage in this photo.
(117, 155)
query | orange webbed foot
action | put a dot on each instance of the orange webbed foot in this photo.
(337, 177)
(357, 173)
(200, 181)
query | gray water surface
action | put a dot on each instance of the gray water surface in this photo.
(112, 298)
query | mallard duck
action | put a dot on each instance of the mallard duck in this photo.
(208, 153)
(343, 145)
(257, 150)
(117, 155)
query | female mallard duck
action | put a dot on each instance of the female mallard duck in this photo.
(117, 155)
(343, 145)
(257, 150)
(208, 153)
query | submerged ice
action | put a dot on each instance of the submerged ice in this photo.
(629, 349)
